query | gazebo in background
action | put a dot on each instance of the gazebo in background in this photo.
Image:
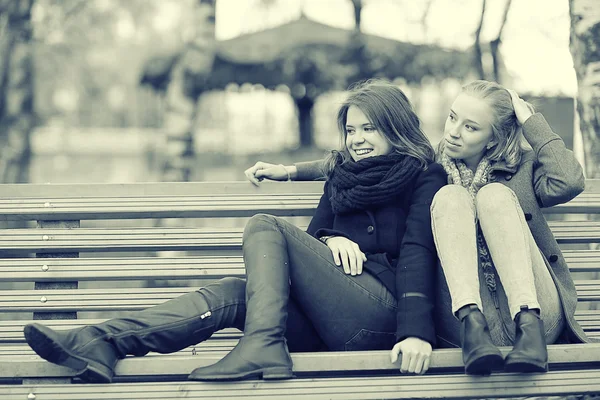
(307, 56)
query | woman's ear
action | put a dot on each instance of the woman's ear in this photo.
(491, 144)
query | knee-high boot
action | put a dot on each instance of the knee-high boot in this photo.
(189, 319)
(262, 351)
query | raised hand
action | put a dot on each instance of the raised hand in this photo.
(522, 108)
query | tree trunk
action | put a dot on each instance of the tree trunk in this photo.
(357, 4)
(16, 90)
(477, 52)
(305, 123)
(187, 76)
(585, 42)
(495, 44)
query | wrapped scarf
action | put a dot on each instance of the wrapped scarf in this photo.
(371, 182)
(461, 175)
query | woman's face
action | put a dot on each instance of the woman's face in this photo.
(468, 129)
(362, 139)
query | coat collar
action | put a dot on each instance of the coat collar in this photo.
(501, 166)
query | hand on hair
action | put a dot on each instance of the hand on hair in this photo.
(416, 355)
(347, 253)
(262, 170)
(522, 109)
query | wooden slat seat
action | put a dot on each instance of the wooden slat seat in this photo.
(159, 239)
(189, 200)
(198, 267)
(110, 299)
(122, 268)
(11, 334)
(389, 387)
(216, 252)
(12, 331)
(172, 365)
(159, 200)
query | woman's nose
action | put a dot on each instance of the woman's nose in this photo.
(358, 137)
(454, 132)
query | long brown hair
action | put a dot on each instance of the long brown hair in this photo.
(391, 113)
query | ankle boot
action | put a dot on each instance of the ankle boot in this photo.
(480, 355)
(262, 351)
(189, 319)
(529, 353)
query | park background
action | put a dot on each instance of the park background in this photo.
(190, 90)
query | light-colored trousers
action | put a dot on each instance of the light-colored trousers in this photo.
(522, 273)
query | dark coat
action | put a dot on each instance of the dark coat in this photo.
(399, 244)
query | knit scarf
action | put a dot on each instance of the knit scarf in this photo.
(371, 182)
(460, 174)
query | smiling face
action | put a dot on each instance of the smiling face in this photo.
(362, 138)
(468, 130)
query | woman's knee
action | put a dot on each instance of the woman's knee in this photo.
(450, 198)
(260, 223)
(495, 197)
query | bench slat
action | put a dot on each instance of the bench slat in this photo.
(139, 298)
(388, 387)
(199, 267)
(161, 364)
(85, 269)
(158, 239)
(189, 200)
(12, 331)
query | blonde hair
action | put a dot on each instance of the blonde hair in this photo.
(391, 113)
(507, 133)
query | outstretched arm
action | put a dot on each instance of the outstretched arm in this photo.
(302, 171)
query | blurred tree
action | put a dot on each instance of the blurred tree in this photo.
(585, 48)
(492, 48)
(17, 116)
(181, 78)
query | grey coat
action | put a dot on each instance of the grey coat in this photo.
(548, 175)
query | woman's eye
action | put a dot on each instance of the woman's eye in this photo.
(369, 129)
(470, 128)
(350, 131)
(451, 117)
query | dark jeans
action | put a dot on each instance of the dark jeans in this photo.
(346, 312)
(327, 309)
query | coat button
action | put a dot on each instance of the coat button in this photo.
(553, 258)
(370, 229)
(508, 177)
(528, 217)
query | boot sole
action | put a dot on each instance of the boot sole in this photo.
(525, 365)
(273, 373)
(42, 341)
(484, 364)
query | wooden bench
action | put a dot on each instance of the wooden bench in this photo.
(78, 254)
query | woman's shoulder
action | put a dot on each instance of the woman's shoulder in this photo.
(431, 177)
(434, 171)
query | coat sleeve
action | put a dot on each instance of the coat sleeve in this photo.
(557, 175)
(310, 170)
(417, 261)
